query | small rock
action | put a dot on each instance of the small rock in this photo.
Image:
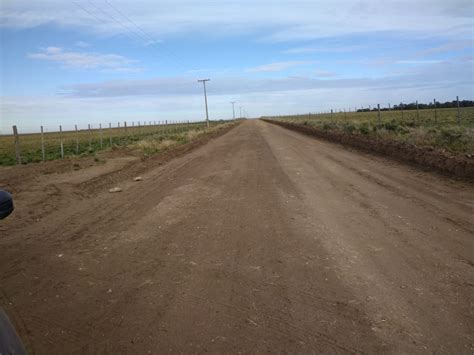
(138, 178)
(115, 189)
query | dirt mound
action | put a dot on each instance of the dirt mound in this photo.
(458, 165)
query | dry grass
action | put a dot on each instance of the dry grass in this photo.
(420, 129)
(149, 139)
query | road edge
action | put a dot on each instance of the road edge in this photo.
(422, 157)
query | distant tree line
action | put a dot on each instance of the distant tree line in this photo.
(412, 106)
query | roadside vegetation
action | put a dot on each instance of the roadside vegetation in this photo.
(445, 132)
(157, 143)
(146, 139)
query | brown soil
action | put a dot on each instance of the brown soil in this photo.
(458, 165)
(262, 240)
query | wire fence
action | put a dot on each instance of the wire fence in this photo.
(54, 142)
(460, 113)
(450, 129)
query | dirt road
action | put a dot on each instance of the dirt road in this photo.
(261, 240)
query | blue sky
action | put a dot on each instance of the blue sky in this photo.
(99, 61)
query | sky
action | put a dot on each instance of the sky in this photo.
(98, 61)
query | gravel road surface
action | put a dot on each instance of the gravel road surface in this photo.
(261, 240)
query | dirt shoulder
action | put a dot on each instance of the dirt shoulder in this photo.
(459, 165)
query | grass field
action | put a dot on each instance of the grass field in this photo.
(420, 128)
(148, 139)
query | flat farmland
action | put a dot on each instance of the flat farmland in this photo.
(85, 141)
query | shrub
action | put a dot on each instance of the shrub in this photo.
(364, 128)
(391, 126)
(349, 128)
(329, 125)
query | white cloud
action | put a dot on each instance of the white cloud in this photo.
(448, 74)
(324, 73)
(327, 49)
(418, 61)
(273, 20)
(84, 60)
(278, 66)
(447, 47)
(82, 44)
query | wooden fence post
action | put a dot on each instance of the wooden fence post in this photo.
(459, 110)
(436, 115)
(110, 134)
(100, 135)
(43, 155)
(61, 140)
(17, 145)
(126, 132)
(90, 137)
(417, 113)
(378, 115)
(77, 139)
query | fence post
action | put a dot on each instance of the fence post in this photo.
(459, 110)
(436, 115)
(378, 115)
(77, 140)
(17, 145)
(345, 117)
(61, 140)
(389, 108)
(110, 134)
(331, 116)
(401, 108)
(126, 132)
(43, 155)
(90, 136)
(417, 113)
(119, 136)
(100, 135)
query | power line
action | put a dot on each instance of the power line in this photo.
(129, 30)
(97, 19)
(107, 14)
(144, 35)
(151, 39)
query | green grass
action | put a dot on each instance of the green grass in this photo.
(86, 142)
(421, 129)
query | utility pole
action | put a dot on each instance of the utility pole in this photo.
(203, 81)
(233, 109)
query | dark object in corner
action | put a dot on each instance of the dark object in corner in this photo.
(6, 204)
